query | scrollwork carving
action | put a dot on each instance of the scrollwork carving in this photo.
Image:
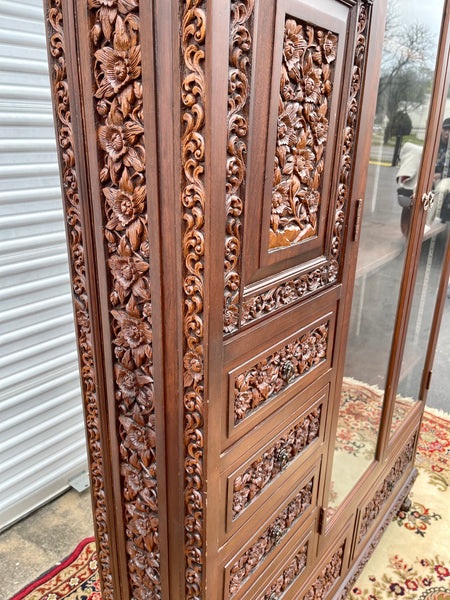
(246, 565)
(265, 380)
(71, 198)
(193, 31)
(350, 133)
(288, 292)
(241, 29)
(288, 576)
(116, 66)
(263, 470)
(373, 508)
(307, 73)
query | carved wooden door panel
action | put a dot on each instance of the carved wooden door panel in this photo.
(207, 152)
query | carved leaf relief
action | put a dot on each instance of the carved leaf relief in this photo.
(381, 496)
(265, 380)
(306, 84)
(244, 567)
(288, 576)
(325, 580)
(264, 469)
(118, 101)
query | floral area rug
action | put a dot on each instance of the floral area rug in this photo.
(76, 578)
(412, 560)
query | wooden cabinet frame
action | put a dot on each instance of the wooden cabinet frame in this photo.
(141, 100)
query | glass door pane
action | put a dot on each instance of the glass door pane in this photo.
(407, 72)
(433, 250)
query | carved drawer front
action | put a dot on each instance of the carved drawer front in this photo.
(267, 381)
(288, 572)
(373, 508)
(280, 460)
(330, 573)
(253, 558)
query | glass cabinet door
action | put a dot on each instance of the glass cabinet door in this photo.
(434, 248)
(410, 49)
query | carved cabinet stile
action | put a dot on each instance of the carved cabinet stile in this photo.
(207, 155)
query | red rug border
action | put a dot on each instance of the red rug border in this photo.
(53, 571)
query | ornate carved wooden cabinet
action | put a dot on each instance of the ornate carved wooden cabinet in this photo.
(213, 156)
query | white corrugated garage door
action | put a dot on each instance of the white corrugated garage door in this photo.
(42, 442)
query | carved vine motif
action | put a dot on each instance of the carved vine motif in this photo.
(74, 227)
(264, 469)
(307, 73)
(350, 133)
(293, 290)
(265, 380)
(292, 571)
(241, 29)
(286, 293)
(193, 30)
(251, 559)
(329, 574)
(381, 496)
(120, 134)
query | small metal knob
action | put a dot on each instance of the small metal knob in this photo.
(283, 458)
(276, 533)
(427, 200)
(287, 371)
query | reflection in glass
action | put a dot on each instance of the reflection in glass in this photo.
(409, 54)
(434, 244)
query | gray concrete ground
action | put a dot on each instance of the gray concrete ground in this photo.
(43, 539)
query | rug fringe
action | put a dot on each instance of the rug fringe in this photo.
(438, 412)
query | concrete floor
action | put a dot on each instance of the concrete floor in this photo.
(42, 540)
(46, 537)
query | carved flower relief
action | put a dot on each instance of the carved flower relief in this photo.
(134, 335)
(119, 68)
(132, 385)
(300, 162)
(294, 45)
(193, 367)
(119, 141)
(230, 317)
(128, 272)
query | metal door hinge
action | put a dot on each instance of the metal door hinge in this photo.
(358, 218)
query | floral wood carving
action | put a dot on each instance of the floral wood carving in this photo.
(329, 574)
(288, 292)
(383, 493)
(116, 63)
(307, 73)
(63, 122)
(193, 30)
(264, 469)
(241, 29)
(288, 576)
(245, 566)
(265, 380)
